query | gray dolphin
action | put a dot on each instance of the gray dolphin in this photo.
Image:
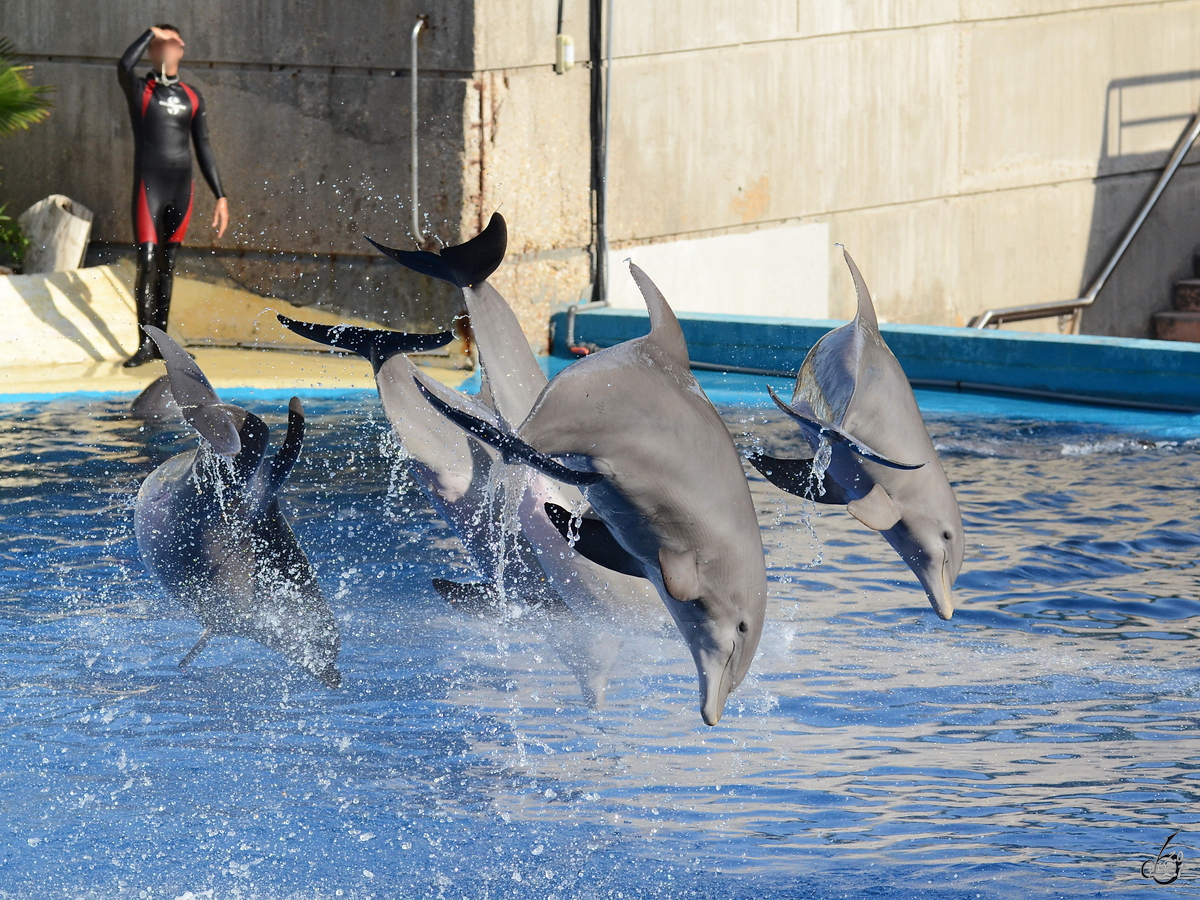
(467, 483)
(512, 382)
(209, 528)
(653, 457)
(852, 396)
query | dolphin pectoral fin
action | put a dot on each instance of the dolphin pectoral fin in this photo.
(289, 451)
(815, 430)
(595, 542)
(474, 597)
(796, 477)
(462, 265)
(375, 344)
(197, 400)
(512, 448)
(216, 425)
(205, 637)
(155, 402)
(681, 573)
(877, 510)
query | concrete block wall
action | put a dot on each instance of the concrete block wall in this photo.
(308, 123)
(961, 151)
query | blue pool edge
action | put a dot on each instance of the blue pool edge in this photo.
(1113, 371)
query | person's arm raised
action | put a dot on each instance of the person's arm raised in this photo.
(130, 59)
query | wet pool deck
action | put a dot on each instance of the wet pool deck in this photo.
(68, 332)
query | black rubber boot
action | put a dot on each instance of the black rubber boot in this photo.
(144, 296)
(162, 288)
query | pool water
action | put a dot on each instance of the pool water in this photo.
(1042, 743)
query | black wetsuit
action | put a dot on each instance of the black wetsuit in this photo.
(168, 117)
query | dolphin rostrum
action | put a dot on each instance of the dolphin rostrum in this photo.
(209, 528)
(631, 426)
(466, 483)
(856, 408)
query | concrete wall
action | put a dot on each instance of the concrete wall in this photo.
(957, 149)
(969, 154)
(309, 126)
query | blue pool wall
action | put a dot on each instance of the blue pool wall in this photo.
(1104, 369)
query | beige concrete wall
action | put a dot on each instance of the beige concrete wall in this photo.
(969, 153)
(957, 149)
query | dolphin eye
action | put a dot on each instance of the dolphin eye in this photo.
(946, 536)
(742, 627)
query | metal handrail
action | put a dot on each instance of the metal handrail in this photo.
(1074, 308)
(416, 218)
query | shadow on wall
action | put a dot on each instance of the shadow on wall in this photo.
(1143, 120)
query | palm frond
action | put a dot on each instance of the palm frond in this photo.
(21, 104)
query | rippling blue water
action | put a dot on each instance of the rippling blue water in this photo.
(1042, 743)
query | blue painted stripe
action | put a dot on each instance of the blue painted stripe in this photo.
(1130, 370)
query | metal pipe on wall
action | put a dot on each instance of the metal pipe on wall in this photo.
(599, 136)
(416, 218)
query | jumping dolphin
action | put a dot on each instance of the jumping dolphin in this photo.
(635, 431)
(512, 382)
(852, 396)
(466, 483)
(209, 528)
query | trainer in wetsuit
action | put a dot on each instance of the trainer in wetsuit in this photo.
(167, 114)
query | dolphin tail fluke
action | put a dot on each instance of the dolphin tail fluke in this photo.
(816, 430)
(197, 650)
(796, 477)
(511, 447)
(595, 542)
(375, 344)
(196, 398)
(461, 265)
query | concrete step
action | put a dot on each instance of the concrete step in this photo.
(1187, 294)
(1181, 325)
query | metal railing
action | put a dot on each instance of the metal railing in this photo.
(1074, 308)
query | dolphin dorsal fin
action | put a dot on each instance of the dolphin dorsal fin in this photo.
(664, 327)
(197, 400)
(462, 265)
(866, 308)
